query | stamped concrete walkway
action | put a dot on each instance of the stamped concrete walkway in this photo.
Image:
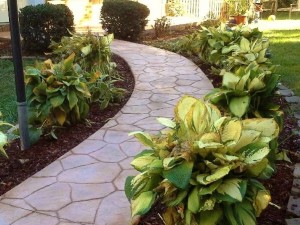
(85, 186)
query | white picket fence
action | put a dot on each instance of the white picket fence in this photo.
(203, 9)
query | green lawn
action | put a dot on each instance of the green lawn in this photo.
(285, 49)
(283, 15)
(8, 105)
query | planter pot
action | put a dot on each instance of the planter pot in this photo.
(240, 19)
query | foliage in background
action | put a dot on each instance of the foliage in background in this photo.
(90, 51)
(174, 8)
(125, 19)
(42, 23)
(204, 168)
(161, 26)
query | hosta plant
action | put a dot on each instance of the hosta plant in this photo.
(214, 45)
(57, 93)
(204, 167)
(90, 51)
(248, 93)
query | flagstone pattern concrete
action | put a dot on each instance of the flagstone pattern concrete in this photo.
(86, 185)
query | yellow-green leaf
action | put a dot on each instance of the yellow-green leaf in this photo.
(211, 217)
(232, 190)
(57, 100)
(3, 142)
(261, 201)
(194, 201)
(142, 204)
(231, 131)
(143, 137)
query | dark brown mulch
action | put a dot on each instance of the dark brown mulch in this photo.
(46, 150)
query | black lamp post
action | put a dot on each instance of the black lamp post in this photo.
(19, 75)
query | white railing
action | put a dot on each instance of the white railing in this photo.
(203, 9)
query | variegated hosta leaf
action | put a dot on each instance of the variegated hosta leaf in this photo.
(213, 111)
(183, 107)
(261, 201)
(143, 137)
(268, 127)
(142, 160)
(256, 169)
(142, 203)
(254, 153)
(206, 179)
(247, 137)
(232, 190)
(166, 122)
(204, 190)
(231, 132)
(143, 182)
(200, 120)
(227, 158)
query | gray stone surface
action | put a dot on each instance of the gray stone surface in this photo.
(294, 205)
(295, 221)
(296, 187)
(293, 99)
(86, 185)
(297, 170)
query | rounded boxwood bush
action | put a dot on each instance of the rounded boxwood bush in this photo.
(42, 23)
(125, 19)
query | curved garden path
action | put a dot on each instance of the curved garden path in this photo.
(85, 186)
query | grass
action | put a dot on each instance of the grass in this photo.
(8, 105)
(285, 50)
(283, 15)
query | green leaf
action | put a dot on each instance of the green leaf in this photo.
(211, 217)
(239, 105)
(144, 138)
(167, 122)
(142, 204)
(232, 190)
(245, 44)
(72, 98)
(183, 107)
(247, 137)
(256, 84)
(180, 197)
(128, 187)
(57, 100)
(250, 57)
(209, 190)
(60, 116)
(34, 134)
(180, 175)
(230, 80)
(194, 201)
(244, 213)
(86, 50)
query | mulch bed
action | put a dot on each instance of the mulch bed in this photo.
(13, 172)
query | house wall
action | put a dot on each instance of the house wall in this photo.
(21, 4)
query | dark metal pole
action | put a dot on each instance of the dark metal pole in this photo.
(19, 75)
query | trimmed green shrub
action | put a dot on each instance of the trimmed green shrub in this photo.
(42, 23)
(125, 19)
(205, 167)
